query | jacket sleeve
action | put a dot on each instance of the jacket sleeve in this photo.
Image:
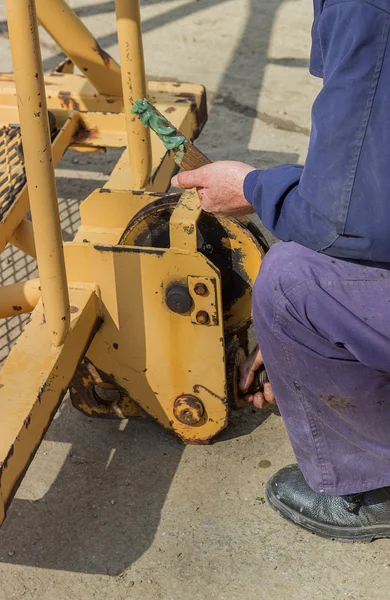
(319, 205)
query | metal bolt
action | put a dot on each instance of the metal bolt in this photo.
(207, 249)
(106, 393)
(202, 317)
(188, 409)
(178, 299)
(200, 289)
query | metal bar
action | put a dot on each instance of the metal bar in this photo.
(23, 238)
(26, 57)
(134, 86)
(77, 42)
(35, 399)
(19, 298)
(182, 225)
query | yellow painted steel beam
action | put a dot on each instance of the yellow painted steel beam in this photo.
(134, 86)
(23, 238)
(26, 57)
(182, 225)
(19, 298)
(77, 42)
(33, 383)
(73, 92)
(114, 208)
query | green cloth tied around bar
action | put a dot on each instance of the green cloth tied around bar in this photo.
(167, 134)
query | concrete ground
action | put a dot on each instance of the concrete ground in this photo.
(124, 511)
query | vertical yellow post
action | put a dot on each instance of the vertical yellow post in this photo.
(30, 91)
(134, 86)
(78, 43)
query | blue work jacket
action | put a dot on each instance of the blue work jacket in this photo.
(339, 202)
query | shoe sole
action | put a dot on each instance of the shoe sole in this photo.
(332, 532)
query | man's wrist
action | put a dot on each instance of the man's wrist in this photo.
(249, 185)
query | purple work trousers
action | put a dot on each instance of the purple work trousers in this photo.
(323, 326)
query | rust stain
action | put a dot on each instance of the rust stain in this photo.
(189, 97)
(83, 397)
(68, 102)
(106, 58)
(83, 134)
(198, 386)
(189, 229)
(188, 409)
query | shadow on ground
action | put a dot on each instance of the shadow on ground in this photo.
(111, 487)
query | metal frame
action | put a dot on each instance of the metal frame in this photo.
(134, 86)
(38, 161)
(79, 45)
(96, 298)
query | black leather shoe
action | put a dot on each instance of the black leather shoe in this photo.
(355, 518)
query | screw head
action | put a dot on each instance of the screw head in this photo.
(188, 409)
(200, 289)
(202, 317)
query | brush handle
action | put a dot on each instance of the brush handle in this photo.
(193, 158)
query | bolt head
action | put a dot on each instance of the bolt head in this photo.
(202, 317)
(188, 409)
(200, 289)
(178, 299)
(207, 249)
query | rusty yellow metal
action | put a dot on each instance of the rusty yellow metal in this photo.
(23, 238)
(86, 388)
(80, 46)
(124, 287)
(133, 285)
(134, 86)
(19, 298)
(28, 404)
(96, 130)
(74, 92)
(203, 291)
(26, 57)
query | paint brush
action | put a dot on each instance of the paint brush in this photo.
(185, 154)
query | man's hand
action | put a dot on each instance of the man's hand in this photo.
(247, 372)
(220, 187)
